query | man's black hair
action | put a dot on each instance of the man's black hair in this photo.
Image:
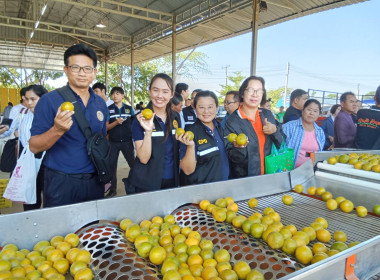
(37, 89)
(100, 86)
(377, 95)
(117, 89)
(177, 98)
(297, 93)
(235, 94)
(343, 97)
(78, 50)
(10, 104)
(334, 108)
(180, 87)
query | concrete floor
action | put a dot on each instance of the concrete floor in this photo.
(122, 172)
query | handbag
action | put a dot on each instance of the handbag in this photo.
(22, 184)
(98, 146)
(11, 148)
(280, 160)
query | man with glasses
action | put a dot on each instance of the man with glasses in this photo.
(70, 175)
(231, 103)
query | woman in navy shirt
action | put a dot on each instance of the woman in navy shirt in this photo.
(157, 150)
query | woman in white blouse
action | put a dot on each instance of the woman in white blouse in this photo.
(32, 96)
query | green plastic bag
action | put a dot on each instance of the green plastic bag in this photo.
(281, 160)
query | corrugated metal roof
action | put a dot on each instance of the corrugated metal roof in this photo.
(148, 23)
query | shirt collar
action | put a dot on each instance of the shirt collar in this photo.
(243, 116)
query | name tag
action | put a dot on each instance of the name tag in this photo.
(158, 134)
(173, 131)
(191, 118)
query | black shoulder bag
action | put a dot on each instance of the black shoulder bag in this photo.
(98, 147)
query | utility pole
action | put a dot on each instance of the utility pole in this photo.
(286, 84)
(359, 91)
(226, 67)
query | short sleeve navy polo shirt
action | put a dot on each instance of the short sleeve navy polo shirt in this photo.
(69, 153)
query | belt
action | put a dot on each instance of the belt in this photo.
(85, 176)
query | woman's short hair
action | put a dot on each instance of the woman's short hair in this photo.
(244, 85)
(310, 101)
(37, 89)
(206, 93)
(334, 108)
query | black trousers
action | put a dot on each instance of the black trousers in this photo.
(62, 188)
(39, 189)
(165, 184)
(128, 152)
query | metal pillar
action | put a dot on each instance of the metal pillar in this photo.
(255, 25)
(106, 71)
(174, 51)
(132, 77)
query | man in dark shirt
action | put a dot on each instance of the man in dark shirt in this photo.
(368, 127)
(297, 99)
(188, 113)
(119, 127)
(344, 126)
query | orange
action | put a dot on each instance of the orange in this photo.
(312, 190)
(195, 234)
(33, 275)
(300, 241)
(319, 248)
(292, 228)
(242, 269)
(83, 256)
(310, 232)
(44, 266)
(147, 113)
(179, 238)
(61, 265)
(332, 252)
(298, 188)
(76, 266)
(228, 274)
(275, 216)
(304, 254)
(196, 270)
(168, 265)
(361, 211)
(193, 250)
(219, 215)
(358, 165)
(157, 219)
(346, 206)
(210, 207)
(206, 244)
(252, 203)
(376, 209)
(190, 135)
(233, 207)
(209, 272)
(323, 235)
(326, 196)
(5, 275)
(174, 230)
(331, 204)
(322, 221)
(238, 221)
(258, 215)
(55, 255)
(194, 259)
(257, 230)
(221, 202)
(231, 137)
(41, 245)
(67, 106)
(287, 199)
(222, 255)
(320, 191)
(169, 219)
(229, 200)
(255, 275)
(145, 224)
(246, 226)
(343, 158)
(303, 235)
(72, 239)
(203, 204)
(157, 255)
(49, 273)
(241, 139)
(47, 250)
(84, 274)
(144, 249)
(340, 236)
(319, 257)
(5, 265)
(125, 223)
(191, 241)
(267, 210)
(185, 231)
(376, 168)
(332, 160)
(267, 220)
(165, 240)
(286, 233)
(132, 231)
(352, 244)
(222, 266)
(141, 239)
(289, 246)
(339, 246)
(18, 272)
(275, 240)
(64, 247)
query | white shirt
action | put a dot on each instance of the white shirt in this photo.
(17, 119)
(109, 102)
(15, 110)
(24, 128)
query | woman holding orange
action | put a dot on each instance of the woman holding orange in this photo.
(157, 150)
(257, 124)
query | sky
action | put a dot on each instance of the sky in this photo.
(336, 50)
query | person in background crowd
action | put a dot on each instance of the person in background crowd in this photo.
(257, 124)
(188, 113)
(368, 129)
(328, 126)
(268, 105)
(182, 89)
(142, 106)
(359, 106)
(157, 150)
(280, 115)
(304, 135)
(297, 99)
(344, 126)
(231, 103)
(205, 159)
(70, 175)
(119, 127)
(33, 93)
(187, 102)
(101, 90)
(7, 110)
(177, 102)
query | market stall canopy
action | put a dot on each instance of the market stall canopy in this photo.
(35, 33)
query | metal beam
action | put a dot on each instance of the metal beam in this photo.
(255, 26)
(64, 29)
(128, 10)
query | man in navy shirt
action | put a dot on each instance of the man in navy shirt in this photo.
(70, 175)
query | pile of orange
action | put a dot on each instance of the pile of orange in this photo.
(363, 161)
(49, 260)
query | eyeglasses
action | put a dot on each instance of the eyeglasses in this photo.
(76, 69)
(252, 90)
(229, 102)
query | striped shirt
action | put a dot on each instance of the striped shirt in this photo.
(24, 128)
(294, 136)
(18, 118)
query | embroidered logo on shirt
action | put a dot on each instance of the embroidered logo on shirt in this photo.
(175, 124)
(202, 141)
(190, 118)
(100, 116)
(127, 111)
(112, 111)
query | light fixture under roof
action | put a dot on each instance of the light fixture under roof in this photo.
(101, 24)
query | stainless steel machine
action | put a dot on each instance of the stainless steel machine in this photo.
(114, 258)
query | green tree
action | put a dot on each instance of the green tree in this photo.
(276, 94)
(369, 95)
(235, 82)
